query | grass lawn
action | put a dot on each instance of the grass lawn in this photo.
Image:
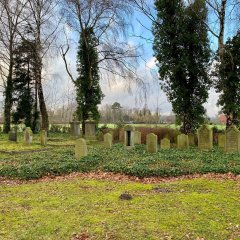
(62, 209)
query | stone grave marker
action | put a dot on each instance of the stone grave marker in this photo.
(221, 141)
(121, 135)
(182, 141)
(43, 137)
(205, 138)
(232, 140)
(90, 128)
(75, 128)
(12, 136)
(191, 139)
(81, 148)
(137, 136)
(165, 143)
(28, 136)
(108, 140)
(152, 144)
(129, 136)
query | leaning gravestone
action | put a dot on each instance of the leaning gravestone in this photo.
(182, 141)
(129, 136)
(137, 136)
(28, 136)
(205, 138)
(90, 128)
(43, 137)
(81, 148)
(191, 139)
(165, 143)
(151, 141)
(12, 136)
(108, 139)
(221, 141)
(232, 140)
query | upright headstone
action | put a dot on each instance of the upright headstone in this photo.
(129, 136)
(121, 135)
(165, 143)
(191, 139)
(80, 148)
(75, 128)
(205, 137)
(43, 137)
(28, 136)
(108, 139)
(152, 143)
(221, 141)
(182, 141)
(137, 136)
(232, 142)
(12, 136)
(90, 128)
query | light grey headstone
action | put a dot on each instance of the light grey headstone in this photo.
(108, 139)
(152, 144)
(80, 148)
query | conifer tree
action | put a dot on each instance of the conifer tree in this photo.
(182, 50)
(88, 90)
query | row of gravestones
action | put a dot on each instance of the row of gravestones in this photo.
(28, 136)
(230, 141)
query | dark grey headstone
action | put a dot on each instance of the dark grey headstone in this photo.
(12, 136)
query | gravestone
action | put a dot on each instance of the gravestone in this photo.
(80, 148)
(75, 128)
(28, 136)
(43, 137)
(129, 136)
(137, 136)
(165, 143)
(191, 139)
(151, 142)
(108, 139)
(121, 135)
(12, 136)
(232, 140)
(90, 128)
(221, 141)
(205, 138)
(182, 141)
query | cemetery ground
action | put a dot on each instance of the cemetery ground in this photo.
(40, 200)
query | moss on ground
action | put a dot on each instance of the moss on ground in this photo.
(188, 209)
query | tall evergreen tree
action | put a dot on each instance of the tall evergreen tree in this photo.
(24, 85)
(181, 47)
(88, 90)
(228, 83)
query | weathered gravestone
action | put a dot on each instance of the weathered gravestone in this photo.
(90, 128)
(182, 141)
(232, 140)
(191, 139)
(165, 143)
(221, 141)
(205, 138)
(129, 136)
(108, 139)
(75, 128)
(80, 148)
(43, 137)
(12, 136)
(28, 136)
(152, 144)
(121, 135)
(137, 136)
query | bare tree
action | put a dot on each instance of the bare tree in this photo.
(109, 22)
(43, 24)
(11, 18)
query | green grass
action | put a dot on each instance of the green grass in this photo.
(137, 162)
(190, 209)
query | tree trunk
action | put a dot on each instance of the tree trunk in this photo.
(8, 96)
